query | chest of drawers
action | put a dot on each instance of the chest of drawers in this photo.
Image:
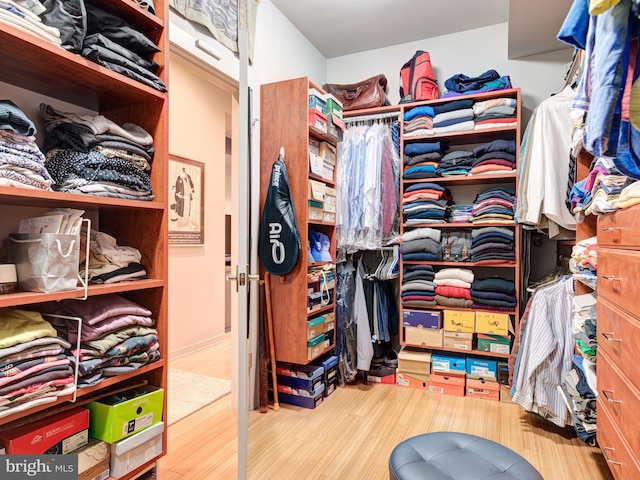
(618, 330)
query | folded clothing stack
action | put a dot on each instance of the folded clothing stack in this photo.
(418, 121)
(421, 244)
(491, 245)
(425, 202)
(21, 161)
(116, 45)
(35, 364)
(494, 205)
(453, 287)
(494, 293)
(418, 287)
(456, 162)
(117, 336)
(497, 156)
(495, 113)
(421, 159)
(455, 116)
(110, 262)
(94, 155)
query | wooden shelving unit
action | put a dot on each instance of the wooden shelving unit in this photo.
(32, 64)
(467, 140)
(285, 123)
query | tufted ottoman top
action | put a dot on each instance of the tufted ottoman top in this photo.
(457, 456)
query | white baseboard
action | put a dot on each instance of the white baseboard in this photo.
(194, 347)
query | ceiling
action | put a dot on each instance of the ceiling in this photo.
(343, 27)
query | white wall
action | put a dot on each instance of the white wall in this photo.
(471, 53)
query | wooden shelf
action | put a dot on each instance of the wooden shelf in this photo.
(21, 65)
(83, 395)
(49, 199)
(460, 309)
(28, 298)
(319, 178)
(326, 308)
(467, 179)
(461, 352)
(461, 225)
(459, 264)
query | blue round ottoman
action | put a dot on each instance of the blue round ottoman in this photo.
(457, 456)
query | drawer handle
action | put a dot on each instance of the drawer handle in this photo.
(609, 278)
(611, 229)
(610, 400)
(606, 457)
(610, 336)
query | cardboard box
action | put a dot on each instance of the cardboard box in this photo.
(481, 368)
(459, 321)
(112, 419)
(300, 376)
(330, 367)
(424, 319)
(458, 340)
(382, 375)
(492, 323)
(316, 191)
(136, 450)
(315, 327)
(423, 337)
(329, 321)
(448, 364)
(505, 393)
(315, 213)
(317, 102)
(305, 402)
(493, 343)
(447, 384)
(316, 164)
(330, 387)
(413, 380)
(483, 389)
(414, 361)
(317, 348)
(94, 460)
(328, 152)
(335, 127)
(317, 121)
(328, 217)
(503, 372)
(301, 392)
(58, 434)
(332, 105)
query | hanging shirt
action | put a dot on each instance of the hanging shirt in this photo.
(544, 167)
(365, 346)
(546, 352)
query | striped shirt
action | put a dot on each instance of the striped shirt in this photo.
(546, 352)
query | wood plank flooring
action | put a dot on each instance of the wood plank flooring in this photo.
(352, 433)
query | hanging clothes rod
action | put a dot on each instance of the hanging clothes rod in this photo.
(374, 116)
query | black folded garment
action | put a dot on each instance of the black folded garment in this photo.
(118, 30)
(101, 40)
(116, 62)
(70, 17)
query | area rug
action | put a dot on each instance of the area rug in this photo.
(189, 392)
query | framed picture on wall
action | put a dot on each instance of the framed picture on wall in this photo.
(186, 201)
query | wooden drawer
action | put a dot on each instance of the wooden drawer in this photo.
(618, 278)
(618, 338)
(620, 399)
(621, 461)
(621, 228)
